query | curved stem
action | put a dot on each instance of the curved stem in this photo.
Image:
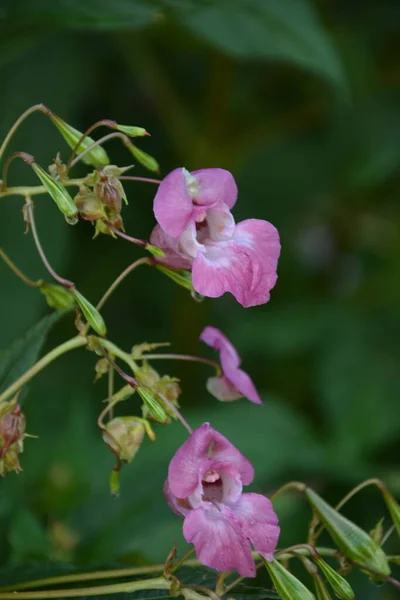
(298, 486)
(382, 576)
(36, 190)
(187, 357)
(120, 278)
(110, 136)
(105, 122)
(145, 179)
(37, 107)
(65, 282)
(74, 342)
(18, 272)
(158, 583)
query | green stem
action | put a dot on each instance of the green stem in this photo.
(158, 583)
(110, 136)
(36, 190)
(116, 351)
(103, 122)
(37, 107)
(74, 342)
(18, 272)
(120, 278)
(298, 486)
(198, 359)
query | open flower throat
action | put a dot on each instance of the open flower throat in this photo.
(204, 485)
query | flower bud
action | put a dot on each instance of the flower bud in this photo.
(89, 205)
(96, 157)
(152, 404)
(339, 585)
(286, 584)
(161, 386)
(91, 314)
(57, 296)
(111, 192)
(353, 541)
(144, 159)
(124, 435)
(57, 191)
(130, 130)
(180, 276)
(12, 433)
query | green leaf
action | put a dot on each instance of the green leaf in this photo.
(24, 352)
(287, 30)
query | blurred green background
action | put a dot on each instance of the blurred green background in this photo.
(300, 100)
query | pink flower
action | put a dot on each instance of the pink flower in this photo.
(234, 382)
(204, 485)
(196, 227)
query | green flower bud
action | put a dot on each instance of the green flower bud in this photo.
(111, 192)
(152, 404)
(353, 541)
(131, 130)
(12, 433)
(144, 159)
(180, 276)
(57, 296)
(91, 314)
(393, 508)
(57, 191)
(97, 157)
(320, 589)
(286, 584)
(339, 585)
(124, 435)
(154, 250)
(165, 385)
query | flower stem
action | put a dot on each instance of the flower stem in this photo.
(65, 282)
(74, 342)
(109, 136)
(18, 272)
(145, 179)
(187, 357)
(298, 486)
(37, 107)
(136, 241)
(35, 190)
(121, 277)
(158, 583)
(103, 122)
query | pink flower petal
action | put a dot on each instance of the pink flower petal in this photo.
(219, 544)
(204, 448)
(215, 185)
(174, 257)
(234, 379)
(245, 266)
(258, 521)
(173, 204)
(177, 505)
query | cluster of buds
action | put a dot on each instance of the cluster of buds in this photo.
(99, 200)
(12, 433)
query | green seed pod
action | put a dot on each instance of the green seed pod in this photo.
(145, 159)
(124, 435)
(153, 405)
(97, 157)
(320, 589)
(339, 585)
(92, 315)
(57, 191)
(286, 584)
(131, 130)
(180, 276)
(353, 541)
(57, 296)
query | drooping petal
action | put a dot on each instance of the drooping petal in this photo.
(202, 449)
(219, 544)
(174, 257)
(244, 266)
(173, 204)
(258, 521)
(222, 389)
(215, 185)
(214, 338)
